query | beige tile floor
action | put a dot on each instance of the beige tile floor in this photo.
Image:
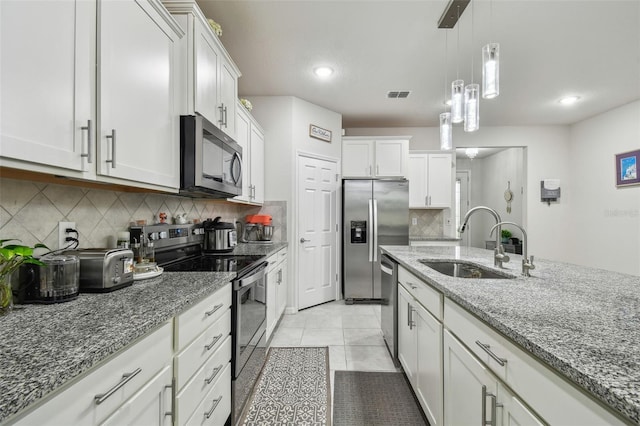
(352, 333)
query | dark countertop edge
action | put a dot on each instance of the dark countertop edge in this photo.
(562, 368)
(109, 351)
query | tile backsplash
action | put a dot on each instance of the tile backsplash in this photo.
(30, 211)
(429, 223)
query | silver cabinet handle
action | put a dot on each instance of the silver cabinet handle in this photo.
(412, 323)
(413, 286)
(369, 170)
(302, 240)
(487, 349)
(426, 200)
(214, 374)
(221, 121)
(494, 406)
(112, 136)
(89, 129)
(213, 342)
(173, 408)
(213, 408)
(102, 397)
(279, 276)
(225, 117)
(377, 169)
(213, 311)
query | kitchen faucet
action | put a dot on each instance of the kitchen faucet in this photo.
(499, 257)
(527, 263)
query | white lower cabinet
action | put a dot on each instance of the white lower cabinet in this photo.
(277, 284)
(131, 375)
(420, 353)
(151, 405)
(215, 407)
(472, 395)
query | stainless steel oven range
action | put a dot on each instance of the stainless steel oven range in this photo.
(248, 308)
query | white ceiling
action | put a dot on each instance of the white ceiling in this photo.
(548, 49)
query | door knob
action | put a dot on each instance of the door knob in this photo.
(302, 240)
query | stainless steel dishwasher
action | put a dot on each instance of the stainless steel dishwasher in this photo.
(389, 305)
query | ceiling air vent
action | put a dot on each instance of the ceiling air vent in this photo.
(398, 95)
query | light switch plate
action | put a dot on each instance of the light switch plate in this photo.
(414, 221)
(63, 234)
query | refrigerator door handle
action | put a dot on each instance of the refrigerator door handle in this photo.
(375, 230)
(372, 230)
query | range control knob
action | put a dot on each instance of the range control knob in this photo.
(162, 235)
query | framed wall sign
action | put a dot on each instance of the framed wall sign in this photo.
(320, 133)
(627, 168)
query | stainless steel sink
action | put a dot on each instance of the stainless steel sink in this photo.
(463, 269)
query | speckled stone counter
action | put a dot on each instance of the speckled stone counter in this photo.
(44, 346)
(582, 322)
(258, 249)
(416, 238)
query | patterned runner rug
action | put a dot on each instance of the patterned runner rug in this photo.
(293, 389)
(374, 398)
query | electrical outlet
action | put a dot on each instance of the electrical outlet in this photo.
(63, 234)
(414, 221)
(448, 222)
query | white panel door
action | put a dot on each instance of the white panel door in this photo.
(317, 190)
(391, 158)
(439, 178)
(207, 63)
(47, 83)
(418, 164)
(357, 158)
(138, 132)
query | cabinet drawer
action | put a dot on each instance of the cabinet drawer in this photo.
(273, 262)
(282, 255)
(193, 322)
(206, 378)
(215, 408)
(553, 397)
(77, 404)
(422, 292)
(193, 356)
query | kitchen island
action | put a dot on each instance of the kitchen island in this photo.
(48, 347)
(583, 323)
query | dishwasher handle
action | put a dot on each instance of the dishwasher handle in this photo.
(385, 269)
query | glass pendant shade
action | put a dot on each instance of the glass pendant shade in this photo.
(457, 101)
(471, 107)
(490, 71)
(446, 141)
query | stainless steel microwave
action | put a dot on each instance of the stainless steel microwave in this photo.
(210, 161)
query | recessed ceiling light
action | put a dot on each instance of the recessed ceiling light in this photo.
(569, 100)
(323, 72)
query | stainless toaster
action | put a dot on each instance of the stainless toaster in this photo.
(103, 269)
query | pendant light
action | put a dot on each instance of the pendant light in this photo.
(472, 95)
(446, 140)
(490, 65)
(457, 87)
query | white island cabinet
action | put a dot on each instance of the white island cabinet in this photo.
(375, 157)
(104, 108)
(464, 372)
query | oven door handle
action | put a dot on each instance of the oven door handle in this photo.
(255, 275)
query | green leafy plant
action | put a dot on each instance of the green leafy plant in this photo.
(506, 233)
(11, 257)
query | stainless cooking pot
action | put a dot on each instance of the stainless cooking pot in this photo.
(219, 237)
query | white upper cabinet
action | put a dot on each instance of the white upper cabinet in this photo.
(249, 135)
(430, 177)
(138, 128)
(47, 83)
(375, 157)
(210, 77)
(61, 60)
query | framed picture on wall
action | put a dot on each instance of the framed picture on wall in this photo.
(627, 168)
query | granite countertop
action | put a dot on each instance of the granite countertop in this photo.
(258, 249)
(418, 238)
(44, 346)
(582, 322)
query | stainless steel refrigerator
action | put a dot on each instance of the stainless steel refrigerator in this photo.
(375, 213)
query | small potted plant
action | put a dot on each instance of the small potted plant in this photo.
(11, 257)
(506, 234)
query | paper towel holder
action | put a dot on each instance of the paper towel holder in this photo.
(549, 190)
